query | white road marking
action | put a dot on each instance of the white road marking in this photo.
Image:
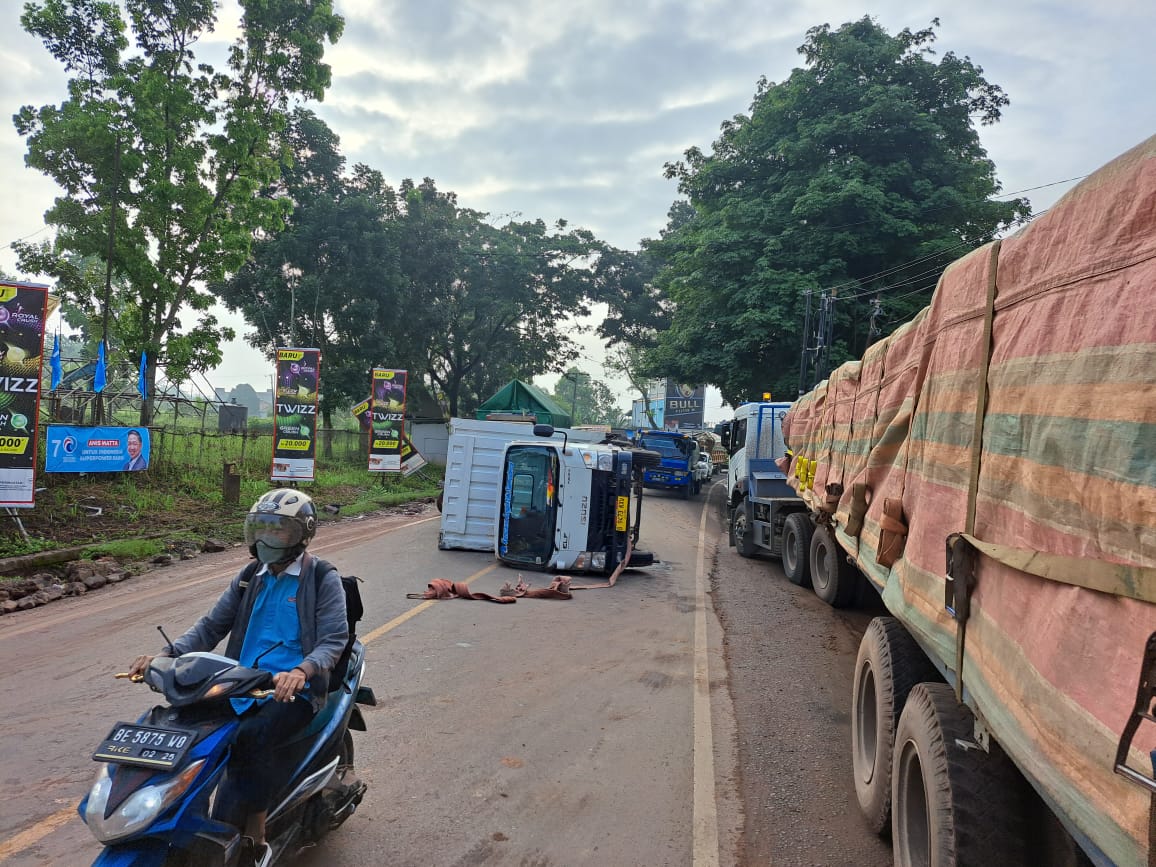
(705, 835)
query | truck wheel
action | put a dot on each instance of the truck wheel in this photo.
(889, 665)
(835, 580)
(797, 533)
(953, 804)
(686, 491)
(741, 529)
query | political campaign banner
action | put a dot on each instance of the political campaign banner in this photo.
(23, 310)
(70, 449)
(295, 415)
(387, 408)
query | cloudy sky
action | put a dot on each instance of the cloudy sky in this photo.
(552, 109)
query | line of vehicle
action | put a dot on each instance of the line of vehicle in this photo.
(38, 624)
(705, 816)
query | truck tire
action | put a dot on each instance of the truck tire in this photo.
(686, 490)
(835, 580)
(889, 665)
(741, 529)
(953, 804)
(797, 532)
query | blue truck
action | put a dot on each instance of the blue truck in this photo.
(678, 468)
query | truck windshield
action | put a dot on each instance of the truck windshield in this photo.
(529, 505)
(663, 445)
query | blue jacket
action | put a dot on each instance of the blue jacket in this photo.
(320, 610)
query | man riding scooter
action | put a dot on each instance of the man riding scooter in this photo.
(284, 621)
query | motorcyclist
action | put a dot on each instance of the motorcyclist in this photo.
(296, 625)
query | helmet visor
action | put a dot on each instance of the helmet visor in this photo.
(276, 531)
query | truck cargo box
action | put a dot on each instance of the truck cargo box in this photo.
(1019, 409)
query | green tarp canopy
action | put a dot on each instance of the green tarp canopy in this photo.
(521, 398)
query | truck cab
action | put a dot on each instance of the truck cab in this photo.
(678, 469)
(567, 506)
(760, 502)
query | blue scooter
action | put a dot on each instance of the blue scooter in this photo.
(161, 794)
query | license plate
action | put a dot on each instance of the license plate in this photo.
(660, 477)
(144, 746)
(621, 511)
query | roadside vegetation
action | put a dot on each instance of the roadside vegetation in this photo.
(181, 495)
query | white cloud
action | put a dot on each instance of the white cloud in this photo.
(550, 108)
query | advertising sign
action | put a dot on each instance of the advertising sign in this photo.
(96, 449)
(411, 458)
(684, 406)
(387, 410)
(23, 309)
(295, 414)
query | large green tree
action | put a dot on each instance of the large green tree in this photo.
(330, 278)
(865, 159)
(168, 150)
(483, 302)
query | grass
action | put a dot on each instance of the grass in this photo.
(126, 549)
(182, 493)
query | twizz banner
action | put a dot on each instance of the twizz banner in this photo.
(387, 419)
(295, 415)
(23, 309)
(411, 459)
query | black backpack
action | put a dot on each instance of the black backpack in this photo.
(354, 609)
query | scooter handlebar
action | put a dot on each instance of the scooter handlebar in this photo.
(139, 678)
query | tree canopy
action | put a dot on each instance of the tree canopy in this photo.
(588, 400)
(169, 152)
(865, 159)
(408, 278)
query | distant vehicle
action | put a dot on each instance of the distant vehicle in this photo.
(678, 470)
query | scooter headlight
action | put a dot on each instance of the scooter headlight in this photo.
(139, 809)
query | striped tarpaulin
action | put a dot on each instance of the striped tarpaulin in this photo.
(1067, 467)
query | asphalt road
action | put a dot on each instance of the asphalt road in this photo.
(621, 727)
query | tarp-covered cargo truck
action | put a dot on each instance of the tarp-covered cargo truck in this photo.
(990, 468)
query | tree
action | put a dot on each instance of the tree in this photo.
(631, 363)
(866, 159)
(588, 400)
(484, 303)
(169, 152)
(330, 278)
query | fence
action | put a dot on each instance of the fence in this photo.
(177, 451)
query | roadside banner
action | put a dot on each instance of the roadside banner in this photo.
(295, 415)
(387, 408)
(96, 449)
(411, 458)
(23, 309)
(363, 413)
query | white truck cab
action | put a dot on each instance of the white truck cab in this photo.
(567, 506)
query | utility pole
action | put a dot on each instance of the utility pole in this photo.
(803, 365)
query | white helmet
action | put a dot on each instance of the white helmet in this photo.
(280, 525)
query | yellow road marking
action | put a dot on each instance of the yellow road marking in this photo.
(36, 833)
(417, 609)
